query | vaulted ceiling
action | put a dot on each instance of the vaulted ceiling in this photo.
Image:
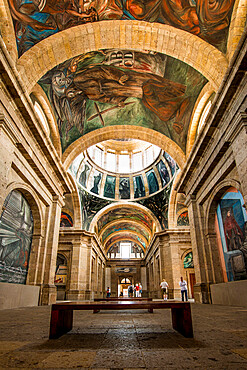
(107, 69)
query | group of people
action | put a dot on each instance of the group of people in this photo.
(135, 291)
(183, 287)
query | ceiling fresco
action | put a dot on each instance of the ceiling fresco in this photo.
(112, 87)
(126, 212)
(35, 20)
(128, 238)
(124, 226)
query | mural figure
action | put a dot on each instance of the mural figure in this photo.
(164, 174)
(139, 189)
(37, 19)
(109, 191)
(109, 84)
(233, 232)
(152, 182)
(124, 188)
(84, 175)
(204, 18)
(97, 179)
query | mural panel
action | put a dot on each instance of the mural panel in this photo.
(232, 227)
(66, 220)
(110, 184)
(158, 204)
(136, 251)
(152, 181)
(164, 174)
(124, 188)
(183, 219)
(126, 213)
(124, 226)
(16, 230)
(35, 20)
(96, 182)
(139, 189)
(120, 237)
(100, 89)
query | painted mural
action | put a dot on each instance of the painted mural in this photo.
(61, 270)
(90, 205)
(66, 220)
(183, 219)
(124, 226)
(94, 186)
(231, 227)
(136, 251)
(126, 213)
(188, 261)
(164, 174)
(35, 20)
(112, 87)
(139, 189)
(124, 188)
(16, 229)
(110, 185)
(158, 205)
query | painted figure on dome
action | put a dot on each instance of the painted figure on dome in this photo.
(108, 84)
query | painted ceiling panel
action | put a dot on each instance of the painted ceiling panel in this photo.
(125, 237)
(127, 227)
(35, 20)
(125, 213)
(115, 87)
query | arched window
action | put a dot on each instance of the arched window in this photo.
(16, 230)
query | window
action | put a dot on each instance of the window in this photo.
(125, 250)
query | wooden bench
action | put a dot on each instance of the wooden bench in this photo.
(108, 299)
(62, 313)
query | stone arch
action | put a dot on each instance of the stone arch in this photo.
(39, 96)
(213, 201)
(116, 205)
(121, 132)
(33, 201)
(76, 203)
(217, 273)
(131, 35)
(201, 102)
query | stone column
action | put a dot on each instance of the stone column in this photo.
(49, 291)
(175, 265)
(80, 278)
(7, 142)
(33, 268)
(201, 288)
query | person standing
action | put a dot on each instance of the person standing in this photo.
(140, 290)
(183, 287)
(137, 290)
(108, 292)
(164, 289)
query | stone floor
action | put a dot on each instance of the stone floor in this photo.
(125, 340)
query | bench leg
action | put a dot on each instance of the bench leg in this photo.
(150, 310)
(182, 321)
(96, 311)
(61, 322)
